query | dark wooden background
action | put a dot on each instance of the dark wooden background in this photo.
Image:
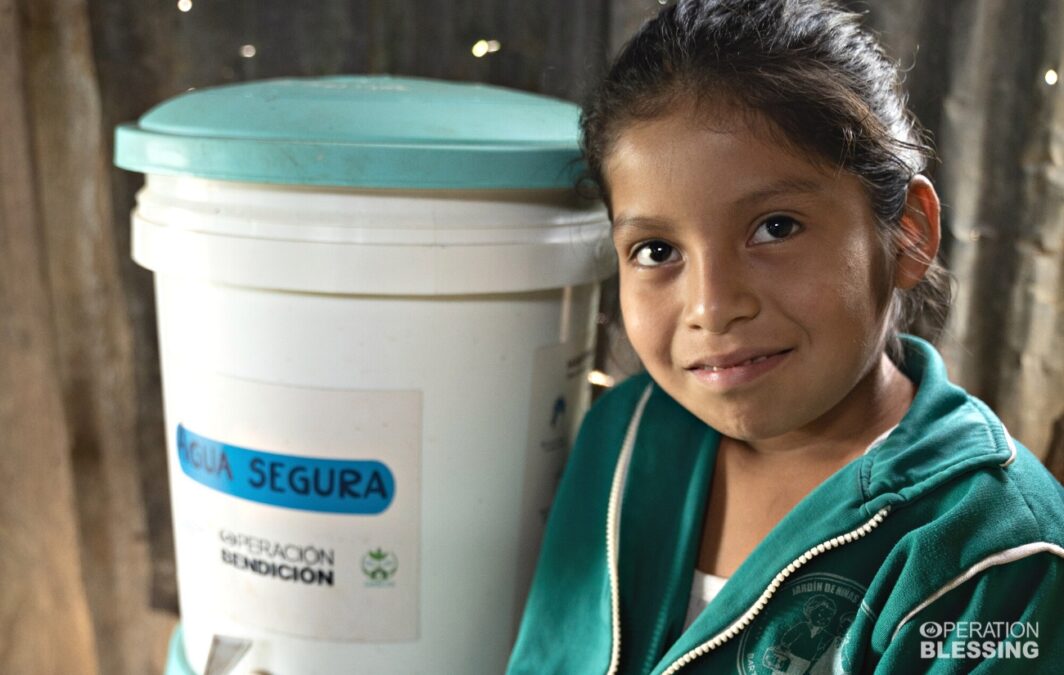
(86, 560)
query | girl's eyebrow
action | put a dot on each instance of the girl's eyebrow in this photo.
(783, 186)
(637, 223)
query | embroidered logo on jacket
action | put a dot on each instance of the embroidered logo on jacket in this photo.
(804, 629)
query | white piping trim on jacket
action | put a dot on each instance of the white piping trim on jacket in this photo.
(613, 527)
(743, 621)
(1000, 558)
(879, 439)
(1012, 449)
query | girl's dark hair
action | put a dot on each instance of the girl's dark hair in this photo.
(808, 68)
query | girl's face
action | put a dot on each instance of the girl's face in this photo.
(753, 284)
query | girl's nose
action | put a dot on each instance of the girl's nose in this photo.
(718, 295)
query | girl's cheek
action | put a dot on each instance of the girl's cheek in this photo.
(647, 317)
(633, 305)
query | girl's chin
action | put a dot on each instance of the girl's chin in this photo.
(754, 421)
(748, 416)
(753, 431)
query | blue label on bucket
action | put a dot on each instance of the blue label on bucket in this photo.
(293, 482)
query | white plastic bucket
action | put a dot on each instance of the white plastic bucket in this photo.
(369, 395)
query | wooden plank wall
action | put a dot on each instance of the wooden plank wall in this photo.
(997, 127)
(86, 556)
(41, 589)
(89, 340)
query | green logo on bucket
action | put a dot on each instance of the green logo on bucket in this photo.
(293, 482)
(380, 565)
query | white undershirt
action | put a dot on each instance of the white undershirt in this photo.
(704, 587)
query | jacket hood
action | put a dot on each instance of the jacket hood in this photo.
(945, 433)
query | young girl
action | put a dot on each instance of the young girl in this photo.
(794, 486)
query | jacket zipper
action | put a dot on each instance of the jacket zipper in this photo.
(743, 621)
(613, 526)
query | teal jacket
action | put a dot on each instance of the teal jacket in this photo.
(941, 550)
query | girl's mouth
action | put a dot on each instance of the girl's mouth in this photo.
(747, 362)
(737, 369)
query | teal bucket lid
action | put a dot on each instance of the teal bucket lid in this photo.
(361, 131)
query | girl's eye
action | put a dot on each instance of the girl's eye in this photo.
(775, 228)
(653, 253)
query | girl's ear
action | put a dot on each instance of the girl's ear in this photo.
(920, 234)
